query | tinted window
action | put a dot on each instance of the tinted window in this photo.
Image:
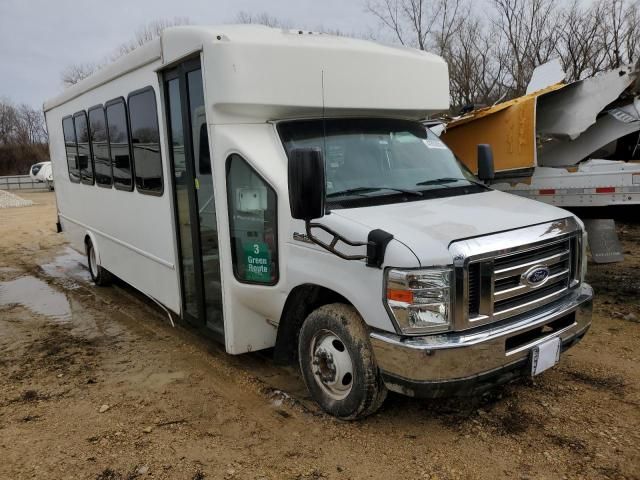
(145, 140)
(100, 146)
(71, 149)
(119, 145)
(84, 151)
(370, 161)
(204, 157)
(252, 223)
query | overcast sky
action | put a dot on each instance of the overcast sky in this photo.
(39, 38)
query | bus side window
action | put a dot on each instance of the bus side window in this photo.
(252, 224)
(118, 129)
(85, 165)
(145, 141)
(71, 149)
(100, 146)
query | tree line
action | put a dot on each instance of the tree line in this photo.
(493, 46)
(23, 138)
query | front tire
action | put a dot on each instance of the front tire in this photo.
(99, 275)
(337, 362)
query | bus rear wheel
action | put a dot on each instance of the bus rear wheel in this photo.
(99, 275)
(337, 362)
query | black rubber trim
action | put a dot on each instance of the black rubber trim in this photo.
(377, 246)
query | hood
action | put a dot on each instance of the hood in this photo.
(428, 227)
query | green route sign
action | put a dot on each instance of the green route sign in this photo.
(257, 259)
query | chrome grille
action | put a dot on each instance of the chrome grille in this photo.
(488, 271)
(506, 291)
(474, 289)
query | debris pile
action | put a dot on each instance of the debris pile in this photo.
(9, 200)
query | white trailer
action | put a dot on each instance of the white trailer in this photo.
(276, 189)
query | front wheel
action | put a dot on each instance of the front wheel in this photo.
(337, 362)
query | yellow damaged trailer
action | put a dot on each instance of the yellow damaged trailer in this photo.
(571, 145)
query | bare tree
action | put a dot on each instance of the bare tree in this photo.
(149, 32)
(598, 36)
(492, 53)
(531, 34)
(23, 137)
(632, 40)
(621, 31)
(74, 73)
(262, 18)
(615, 14)
(580, 39)
(477, 69)
(31, 127)
(423, 24)
(8, 121)
(21, 124)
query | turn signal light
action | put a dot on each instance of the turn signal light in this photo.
(405, 296)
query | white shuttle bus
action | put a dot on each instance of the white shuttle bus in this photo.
(277, 189)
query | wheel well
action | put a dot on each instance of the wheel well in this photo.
(87, 241)
(302, 300)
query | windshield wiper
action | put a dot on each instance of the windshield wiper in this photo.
(445, 180)
(362, 190)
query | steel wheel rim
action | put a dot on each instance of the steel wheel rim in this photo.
(331, 364)
(93, 264)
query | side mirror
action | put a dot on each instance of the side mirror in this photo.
(486, 171)
(306, 184)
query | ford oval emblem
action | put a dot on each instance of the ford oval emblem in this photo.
(536, 276)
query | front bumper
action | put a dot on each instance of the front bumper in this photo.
(464, 363)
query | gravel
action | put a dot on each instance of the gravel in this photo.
(9, 200)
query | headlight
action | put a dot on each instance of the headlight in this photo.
(420, 300)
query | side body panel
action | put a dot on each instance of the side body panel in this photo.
(251, 311)
(134, 231)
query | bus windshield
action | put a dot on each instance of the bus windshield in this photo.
(380, 160)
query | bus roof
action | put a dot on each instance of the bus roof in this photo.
(257, 72)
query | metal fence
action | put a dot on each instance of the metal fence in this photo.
(21, 182)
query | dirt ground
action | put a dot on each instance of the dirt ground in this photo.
(96, 384)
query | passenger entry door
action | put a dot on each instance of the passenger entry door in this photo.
(193, 189)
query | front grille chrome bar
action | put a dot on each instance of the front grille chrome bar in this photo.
(520, 289)
(520, 269)
(490, 271)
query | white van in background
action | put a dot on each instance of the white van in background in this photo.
(276, 189)
(42, 172)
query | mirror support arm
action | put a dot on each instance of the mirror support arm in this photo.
(331, 247)
(376, 244)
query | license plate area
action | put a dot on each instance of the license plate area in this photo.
(545, 355)
(522, 341)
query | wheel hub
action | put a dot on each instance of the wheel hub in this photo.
(331, 364)
(325, 368)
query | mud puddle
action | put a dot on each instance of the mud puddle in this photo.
(70, 267)
(37, 296)
(8, 270)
